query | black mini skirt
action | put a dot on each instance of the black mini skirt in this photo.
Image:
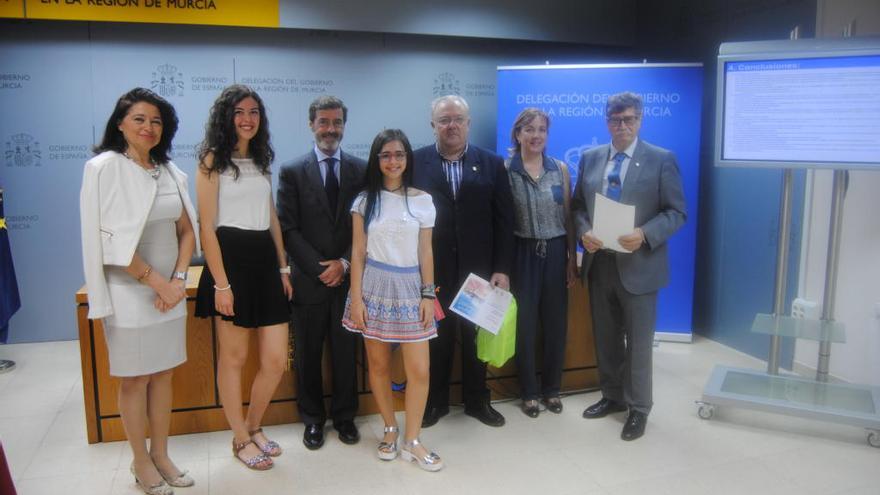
(251, 265)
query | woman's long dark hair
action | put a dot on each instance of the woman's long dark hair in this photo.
(113, 139)
(374, 173)
(221, 138)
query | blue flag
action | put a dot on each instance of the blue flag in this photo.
(9, 300)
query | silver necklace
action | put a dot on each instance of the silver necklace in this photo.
(155, 171)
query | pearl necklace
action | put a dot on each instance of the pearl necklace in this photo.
(155, 171)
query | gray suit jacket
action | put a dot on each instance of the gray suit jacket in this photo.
(312, 232)
(653, 185)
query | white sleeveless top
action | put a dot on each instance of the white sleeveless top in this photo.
(243, 203)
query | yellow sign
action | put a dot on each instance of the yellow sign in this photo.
(255, 13)
(12, 8)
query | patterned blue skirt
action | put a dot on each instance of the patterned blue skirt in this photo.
(392, 295)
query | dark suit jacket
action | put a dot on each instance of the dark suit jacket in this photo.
(653, 184)
(475, 232)
(311, 232)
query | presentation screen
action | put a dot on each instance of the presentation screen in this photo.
(799, 104)
(574, 97)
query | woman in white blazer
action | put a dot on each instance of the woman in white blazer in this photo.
(138, 238)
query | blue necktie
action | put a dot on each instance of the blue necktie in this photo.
(331, 184)
(614, 177)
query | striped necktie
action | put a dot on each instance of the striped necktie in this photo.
(614, 177)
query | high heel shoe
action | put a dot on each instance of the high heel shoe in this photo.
(388, 450)
(530, 408)
(160, 488)
(430, 462)
(554, 404)
(182, 480)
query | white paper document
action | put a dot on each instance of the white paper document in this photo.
(480, 302)
(612, 220)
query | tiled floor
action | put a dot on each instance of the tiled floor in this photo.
(738, 452)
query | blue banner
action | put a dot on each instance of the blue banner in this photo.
(574, 97)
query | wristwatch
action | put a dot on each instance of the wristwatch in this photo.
(179, 276)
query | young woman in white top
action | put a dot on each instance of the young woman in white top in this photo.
(138, 238)
(245, 287)
(391, 299)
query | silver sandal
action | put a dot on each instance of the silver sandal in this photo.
(388, 450)
(430, 462)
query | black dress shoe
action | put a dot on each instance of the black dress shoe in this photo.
(530, 408)
(553, 404)
(432, 415)
(485, 413)
(348, 432)
(603, 408)
(313, 437)
(634, 426)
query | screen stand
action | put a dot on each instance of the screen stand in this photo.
(857, 405)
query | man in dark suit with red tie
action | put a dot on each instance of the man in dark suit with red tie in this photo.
(473, 233)
(315, 192)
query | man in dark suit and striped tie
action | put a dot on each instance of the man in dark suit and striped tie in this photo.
(473, 233)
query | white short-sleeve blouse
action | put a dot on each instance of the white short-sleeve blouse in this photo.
(393, 235)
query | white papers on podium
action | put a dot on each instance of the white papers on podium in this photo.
(480, 302)
(612, 220)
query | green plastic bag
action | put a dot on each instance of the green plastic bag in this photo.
(498, 349)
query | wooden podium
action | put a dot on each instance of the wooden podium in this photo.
(196, 406)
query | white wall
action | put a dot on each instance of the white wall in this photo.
(857, 304)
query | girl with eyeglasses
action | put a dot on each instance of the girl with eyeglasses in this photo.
(391, 300)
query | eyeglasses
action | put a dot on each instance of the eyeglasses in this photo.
(629, 120)
(398, 156)
(446, 121)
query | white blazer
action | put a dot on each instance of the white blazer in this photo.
(115, 201)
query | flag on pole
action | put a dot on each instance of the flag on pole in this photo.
(9, 299)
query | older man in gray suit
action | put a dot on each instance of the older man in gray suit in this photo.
(623, 286)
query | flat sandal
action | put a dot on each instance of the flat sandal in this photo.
(259, 462)
(271, 448)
